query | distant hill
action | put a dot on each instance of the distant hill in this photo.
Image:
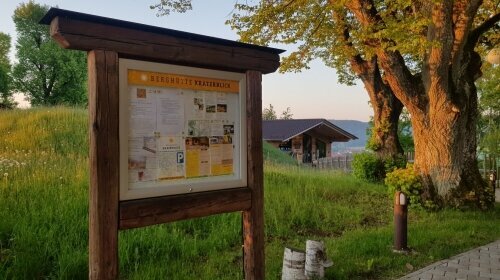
(357, 128)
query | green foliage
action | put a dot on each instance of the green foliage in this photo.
(45, 72)
(391, 163)
(165, 7)
(372, 168)
(6, 100)
(367, 166)
(489, 107)
(4, 49)
(269, 113)
(372, 143)
(313, 27)
(407, 181)
(287, 114)
(44, 217)
(405, 133)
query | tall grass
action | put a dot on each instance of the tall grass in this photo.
(44, 217)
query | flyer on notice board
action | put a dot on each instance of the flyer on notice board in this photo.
(180, 127)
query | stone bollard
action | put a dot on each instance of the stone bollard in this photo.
(316, 259)
(293, 264)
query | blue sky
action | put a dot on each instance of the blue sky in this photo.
(313, 93)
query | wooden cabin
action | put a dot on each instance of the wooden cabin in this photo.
(304, 139)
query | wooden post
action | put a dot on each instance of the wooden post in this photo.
(104, 163)
(253, 219)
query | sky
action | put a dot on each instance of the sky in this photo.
(312, 93)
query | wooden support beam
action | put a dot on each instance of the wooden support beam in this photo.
(253, 219)
(141, 42)
(151, 211)
(104, 164)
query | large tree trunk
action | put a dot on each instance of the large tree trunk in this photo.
(445, 147)
(386, 109)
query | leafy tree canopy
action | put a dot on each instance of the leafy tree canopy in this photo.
(6, 100)
(4, 49)
(335, 31)
(270, 114)
(287, 114)
(47, 74)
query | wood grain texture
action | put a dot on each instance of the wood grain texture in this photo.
(143, 45)
(104, 163)
(151, 211)
(253, 219)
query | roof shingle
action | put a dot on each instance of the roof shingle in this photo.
(283, 130)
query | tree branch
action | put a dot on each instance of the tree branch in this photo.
(397, 74)
(463, 16)
(481, 29)
(438, 56)
(369, 73)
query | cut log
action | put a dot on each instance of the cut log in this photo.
(293, 264)
(316, 259)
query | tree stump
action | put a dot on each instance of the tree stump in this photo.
(293, 264)
(316, 259)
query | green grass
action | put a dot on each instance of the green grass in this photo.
(43, 217)
(275, 156)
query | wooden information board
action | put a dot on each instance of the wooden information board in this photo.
(175, 130)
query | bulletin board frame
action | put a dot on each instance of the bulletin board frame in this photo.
(193, 76)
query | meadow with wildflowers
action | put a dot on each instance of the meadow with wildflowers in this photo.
(44, 219)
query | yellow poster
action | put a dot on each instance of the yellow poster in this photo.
(197, 157)
(221, 155)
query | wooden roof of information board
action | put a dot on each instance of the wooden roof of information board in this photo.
(79, 31)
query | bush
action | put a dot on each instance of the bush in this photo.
(367, 166)
(407, 181)
(390, 164)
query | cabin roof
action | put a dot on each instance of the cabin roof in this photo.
(284, 130)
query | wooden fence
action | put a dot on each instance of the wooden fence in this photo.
(342, 162)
